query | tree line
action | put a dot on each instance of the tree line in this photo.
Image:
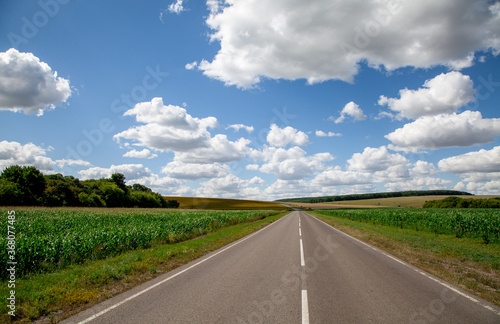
(457, 202)
(27, 186)
(376, 196)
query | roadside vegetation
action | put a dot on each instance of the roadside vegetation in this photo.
(71, 259)
(27, 186)
(461, 246)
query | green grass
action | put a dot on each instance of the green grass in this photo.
(465, 262)
(61, 293)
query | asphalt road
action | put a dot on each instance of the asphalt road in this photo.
(296, 270)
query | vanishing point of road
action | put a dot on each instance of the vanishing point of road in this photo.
(296, 270)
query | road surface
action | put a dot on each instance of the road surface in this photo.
(296, 270)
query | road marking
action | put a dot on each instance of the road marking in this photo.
(302, 262)
(305, 308)
(173, 276)
(300, 232)
(440, 281)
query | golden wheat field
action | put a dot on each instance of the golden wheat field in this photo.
(222, 203)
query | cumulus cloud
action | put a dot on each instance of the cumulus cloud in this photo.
(29, 85)
(283, 136)
(479, 161)
(14, 153)
(144, 154)
(192, 171)
(484, 188)
(176, 7)
(420, 183)
(422, 168)
(130, 171)
(322, 40)
(382, 165)
(291, 164)
(338, 177)
(191, 66)
(230, 186)
(237, 127)
(320, 133)
(171, 128)
(445, 130)
(218, 149)
(444, 93)
(375, 159)
(352, 110)
(69, 162)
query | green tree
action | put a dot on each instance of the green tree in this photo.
(173, 204)
(119, 179)
(139, 187)
(92, 200)
(112, 194)
(30, 182)
(10, 195)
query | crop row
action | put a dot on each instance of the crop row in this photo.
(50, 239)
(483, 223)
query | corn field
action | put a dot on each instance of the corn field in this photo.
(474, 223)
(46, 240)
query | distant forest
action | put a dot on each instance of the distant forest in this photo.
(457, 202)
(27, 186)
(314, 200)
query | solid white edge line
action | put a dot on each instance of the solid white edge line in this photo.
(305, 308)
(302, 262)
(173, 276)
(440, 281)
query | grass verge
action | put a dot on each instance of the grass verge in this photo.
(49, 298)
(466, 263)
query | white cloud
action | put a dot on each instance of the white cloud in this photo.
(337, 177)
(291, 164)
(484, 188)
(144, 154)
(420, 183)
(422, 168)
(375, 159)
(179, 170)
(68, 162)
(29, 85)
(14, 153)
(218, 149)
(237, 127)
(290, 188)
(351, 109)
(321, 40)
(283, 136)
(320, 133)
(191, 66)
(444, 93)
(171, 128)
(130, 171)
(176, 7)
(230, 186)
(480, 161)
(445, 130)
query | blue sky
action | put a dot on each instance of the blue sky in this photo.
(255, 99)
